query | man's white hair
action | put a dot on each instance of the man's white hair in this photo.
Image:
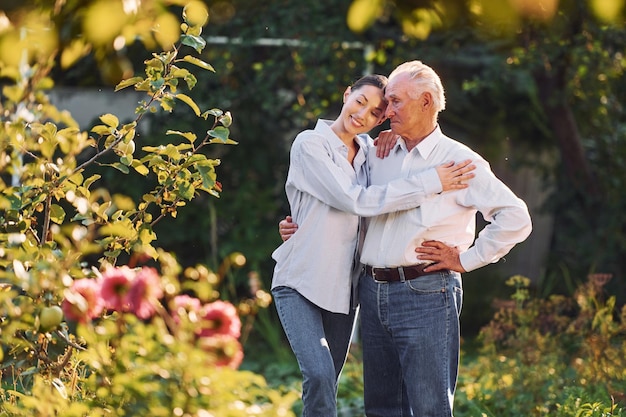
(425, 79)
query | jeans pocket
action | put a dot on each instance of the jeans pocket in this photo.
(428, 284)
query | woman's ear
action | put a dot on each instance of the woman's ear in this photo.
(346, 94)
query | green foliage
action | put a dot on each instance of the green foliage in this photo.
(559, 356)
(60, 238)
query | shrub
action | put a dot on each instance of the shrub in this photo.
(559, 356)
(95, 319)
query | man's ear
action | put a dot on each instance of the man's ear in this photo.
(426, 100)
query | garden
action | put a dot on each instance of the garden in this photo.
(135, 254)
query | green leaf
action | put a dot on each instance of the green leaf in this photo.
(120, 167)
(207, 172)
(126, 160)
(155, 85)
(213, 112)
(226, 120)
(186, 190)
(219, 132)
(57, 214)
(186, 99)
(196, 42)
(198, 62)
(128, 82)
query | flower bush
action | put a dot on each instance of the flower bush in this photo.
(95, 319)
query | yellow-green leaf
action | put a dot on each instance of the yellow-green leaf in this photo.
(128, 82)
(139, 167)
(362, 14)
(198, 62)
(186, 99)
(101, 130)
(190, 136)
(110, 120)
(57, 214)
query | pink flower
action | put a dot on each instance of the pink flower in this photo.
(82, 300)
(116, 283)
(219, 317)
(184, 305)
(223, 350)
(144, 293)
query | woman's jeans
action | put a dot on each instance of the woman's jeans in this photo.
(320, 340)
(410, 338)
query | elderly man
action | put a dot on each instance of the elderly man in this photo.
(410, 310)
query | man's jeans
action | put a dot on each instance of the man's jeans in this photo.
(410, 335)
(320, 340)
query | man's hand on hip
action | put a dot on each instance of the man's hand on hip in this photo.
(441, 255)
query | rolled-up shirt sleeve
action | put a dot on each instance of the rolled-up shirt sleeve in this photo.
(315, 172)
(509, 221)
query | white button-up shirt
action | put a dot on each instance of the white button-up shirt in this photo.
(449, 217)
(326, 196)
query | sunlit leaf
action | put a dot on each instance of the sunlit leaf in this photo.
(77, 49)
(363, 13)
(128, 82)
(57, 214)
(188, 100)
(140, 168)
(166, 30)
(110, 120)
(190, 136)
(607, 10)
(198, 62)
(195, 13)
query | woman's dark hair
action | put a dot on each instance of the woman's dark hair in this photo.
(376, 80)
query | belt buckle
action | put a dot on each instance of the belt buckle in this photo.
(374, 276)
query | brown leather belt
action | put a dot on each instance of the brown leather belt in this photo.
(401, 273)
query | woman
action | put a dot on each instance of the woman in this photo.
(315, 269)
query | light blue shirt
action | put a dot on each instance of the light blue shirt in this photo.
(326, 197)
(449, 217)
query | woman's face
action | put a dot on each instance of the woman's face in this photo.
(363, 109)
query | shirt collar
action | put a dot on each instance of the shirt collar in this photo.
(426, 146)
(323, 126)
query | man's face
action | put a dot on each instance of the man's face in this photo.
(403, 111)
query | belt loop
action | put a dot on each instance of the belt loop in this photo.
(401, 273)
